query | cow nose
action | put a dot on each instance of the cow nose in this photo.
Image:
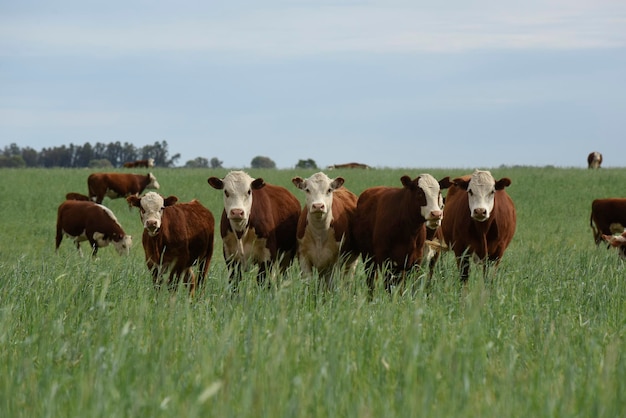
(151, 224)
(317, 207)
(436, 214)
(480, 213)
(236, 213)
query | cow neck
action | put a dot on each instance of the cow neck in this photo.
(483, 229)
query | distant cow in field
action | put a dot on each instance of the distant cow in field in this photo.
(176, 237)
(389, 228)
(116, 185)
(258, 224)
(480, 219)
(608, 217)
(89, 221)
(348, 165)
(148, 163)
(77, 196)
(324, 229)
(618, 242)
(594, 160)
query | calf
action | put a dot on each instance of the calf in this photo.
(324, 228)
(258, 224)
(115, 185)
(608, 217)
(618, 242)
(175, 237)
(89, 221)
(594, 160)
(390, 226)
(480, 219)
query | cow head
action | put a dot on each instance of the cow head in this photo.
(430, 199)
(122, 243)
(481, 191)
(151, 207)
(237, 187)
(618, 242)
(318, 190)
(152, 182)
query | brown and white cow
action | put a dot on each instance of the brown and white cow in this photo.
(480, 219)
(389, 227)
(618, 242)
(258, 224)
(608, 217)
(89, 221)
(176, 237)
(594, 160)
(324, 228)
(147, 163)
(116, 185)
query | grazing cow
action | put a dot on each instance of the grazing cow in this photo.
(594, 160)
(608, 217)
(389, 226)
(149, 163)
(115, 185)
(89, 221)
(480, 219)
(175, 237)
(348, 165)
(258, 224)
(618, 242)
(77, 196)
(324, 228)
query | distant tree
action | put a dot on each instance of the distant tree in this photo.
(30, 156)
(306, 164)
(216, 163)
(262, 162)
(159, 152)
(102, 163)
(14, 161)
(199, 162)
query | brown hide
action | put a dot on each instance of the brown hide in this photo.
(75, 217)
(605, 212)
(77, 196)
(121, 183)
(487, 240)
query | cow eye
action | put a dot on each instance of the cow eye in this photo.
(470, 192)
(329, 191)
(226, 193)
(249, 192)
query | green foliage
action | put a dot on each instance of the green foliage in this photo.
(306, 164)
(262, 162)
(544, 336)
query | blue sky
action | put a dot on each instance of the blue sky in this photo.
(388, 83)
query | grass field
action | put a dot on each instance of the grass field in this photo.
(82, 337)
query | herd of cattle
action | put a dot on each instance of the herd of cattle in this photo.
(393, 230)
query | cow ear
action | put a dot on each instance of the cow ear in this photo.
(337, 183)
(445, 183)
(461, 183)
(258, 183)
(407, 182)
(133, 200)
(502, 183)
(298, 182)
(170, 201)
(216, 183)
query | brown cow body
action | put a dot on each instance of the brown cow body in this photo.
(608, 216)
(258, 224)
(483, 230)
(594, 160)
(324, 228)
(89, 221)
(176, 237)
(116, 185)
(348, 165)
(77, 196)
(148, 163)
(390, 230)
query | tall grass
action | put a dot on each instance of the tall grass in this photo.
(544, 336)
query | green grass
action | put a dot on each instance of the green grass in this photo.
(544, 337)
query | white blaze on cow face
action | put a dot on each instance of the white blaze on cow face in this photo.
(481, 192)
(153, 183)
(319, 190)
(433, 210)
(151, 210)
(237, 187)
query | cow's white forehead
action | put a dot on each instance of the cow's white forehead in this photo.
(237, 180)
(426, 181)
(482, 179)
(318, 180)
(152, 202)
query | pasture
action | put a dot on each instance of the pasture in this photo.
(91, 337)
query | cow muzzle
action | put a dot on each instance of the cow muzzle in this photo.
(152, 227)
(480, 214)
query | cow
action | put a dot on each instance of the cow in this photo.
(89, 221)
(148, 163)
(348, 165)
(324, 228)
(77, 196)
(390, 226)
(176, 237)
(116, 185)
(594, 160)
(258, 225)
(480, 219)
(618, 242)
(608, 217)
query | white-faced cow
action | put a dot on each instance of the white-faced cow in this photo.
(258, 224)
(116, 185)
(608, 217)
(594, 160)
(618, 242)
(480, 219)
(324, 229)
(147, 163)
(89, 221)
(176, 237)
(389, 228)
